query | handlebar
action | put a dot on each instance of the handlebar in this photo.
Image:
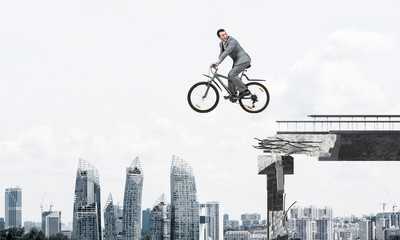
(213, 67)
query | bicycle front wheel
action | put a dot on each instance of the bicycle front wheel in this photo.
(258, 100)
(203, 97)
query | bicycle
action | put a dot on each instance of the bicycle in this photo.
(204, 97)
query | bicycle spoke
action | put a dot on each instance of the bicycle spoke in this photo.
(257, 101)
(202, 100)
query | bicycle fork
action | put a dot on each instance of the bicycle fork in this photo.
(208, 88)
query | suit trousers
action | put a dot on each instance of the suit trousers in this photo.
(234, 80)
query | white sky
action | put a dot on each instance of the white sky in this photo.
(107, 81)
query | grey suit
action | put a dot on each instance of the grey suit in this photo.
(241, 61)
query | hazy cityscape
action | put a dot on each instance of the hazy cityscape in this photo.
(106, 81)
(182, 217)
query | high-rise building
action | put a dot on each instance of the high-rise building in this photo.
(110, 231)
(184, 205)
(394, 219)
(296, 212)
(324, 228)
(226, 220)
(366, 230)
(52, 223)
(304, 228)
(44, 214)
(13, 207)
(391, 232)
(146, 221)
(311, 212)
(87, 211)
(381, 225)
(327, 211)
(160, 220)
(209, 221)
(2, 224)
(133, 201)
(118, 221)
(234, 224)
(28, 225)
(249, 219)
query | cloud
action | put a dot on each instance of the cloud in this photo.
(331, 78)
(355, 43)
(35, 143)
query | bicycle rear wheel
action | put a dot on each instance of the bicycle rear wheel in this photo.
(258, 100)
(203, 97)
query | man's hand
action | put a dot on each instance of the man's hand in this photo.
(214, 64)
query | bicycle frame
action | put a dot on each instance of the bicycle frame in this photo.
(218, 76)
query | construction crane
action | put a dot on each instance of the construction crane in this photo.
(393, 203)
(383, 206)
(46, 202)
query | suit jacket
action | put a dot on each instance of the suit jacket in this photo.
(234, 50)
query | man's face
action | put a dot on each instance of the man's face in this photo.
(223, 36)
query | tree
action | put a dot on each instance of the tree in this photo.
(14, 233)
(58, 236)
(34, 234)
(394, 237)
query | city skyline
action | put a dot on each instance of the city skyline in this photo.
(389, 205)
(300, 220)
(108, 81)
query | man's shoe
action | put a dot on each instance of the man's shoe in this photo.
(232, 98)
(244, 93)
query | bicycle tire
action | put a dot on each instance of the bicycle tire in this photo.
(262, 97)
(196, 98)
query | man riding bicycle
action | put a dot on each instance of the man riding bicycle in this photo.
(241, 61)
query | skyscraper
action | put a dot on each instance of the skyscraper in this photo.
(380, 228)
(110, 231)
(249, 219)
(159, 220)
(146, 221)
(209, 221)
(324, 228)
(304, 228)
(226, 220)
(327, 211)
(44, 215)
(296, 212)
(366, 231)
(87, 211)
(52, 223)
(184, 205)
(311, 212)
(133, 201)
(118, 222)
(2, 224)
(13, 207)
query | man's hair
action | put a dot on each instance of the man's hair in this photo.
(220, 30)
